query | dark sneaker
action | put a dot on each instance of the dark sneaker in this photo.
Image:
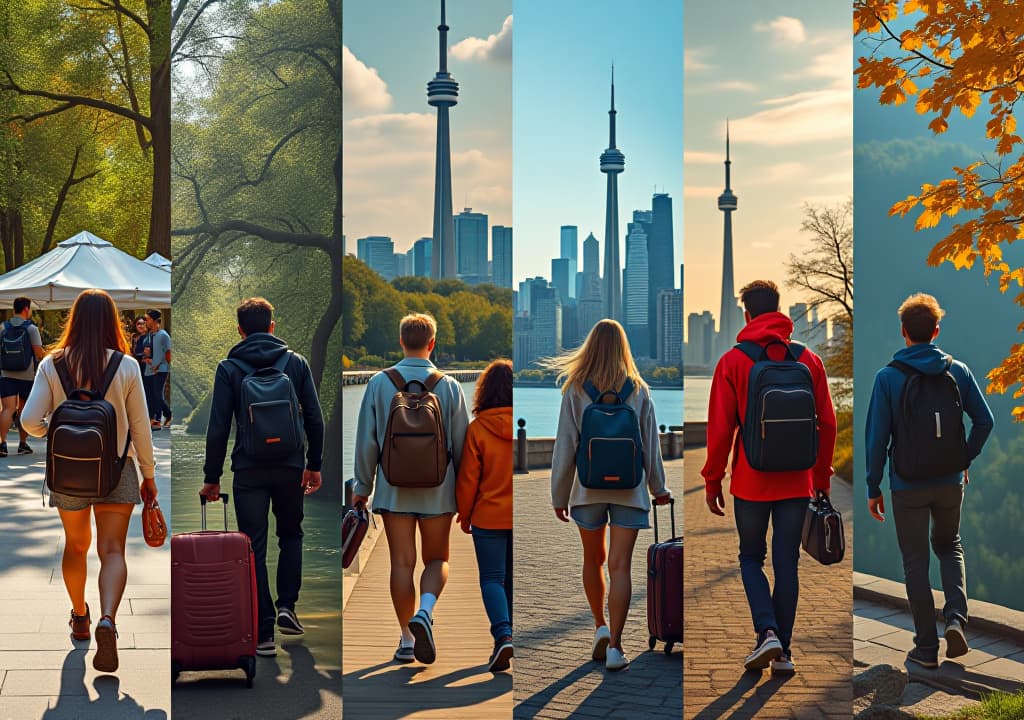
(404, 653)
(105, 660)
(266, 648)
(24, 449)
(167, 422)
(3, 449)
(956, 640)
(768, 648)
(79, 624)
(924, 658)
(421, 627)
(288, 622)
(503, 652)
(783, 666)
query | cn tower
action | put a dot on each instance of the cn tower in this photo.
(728, 321)
(613, 162)
(443, 93)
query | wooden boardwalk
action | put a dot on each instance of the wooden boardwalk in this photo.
(457, 685)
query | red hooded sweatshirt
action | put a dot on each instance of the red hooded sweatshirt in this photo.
(729, 403)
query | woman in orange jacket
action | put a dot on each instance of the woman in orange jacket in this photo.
(484, 497)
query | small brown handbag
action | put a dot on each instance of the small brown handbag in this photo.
(154, 527)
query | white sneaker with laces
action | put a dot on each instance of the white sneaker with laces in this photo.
(783, 666)
(768, 648)
(616, 660)
(602, 636)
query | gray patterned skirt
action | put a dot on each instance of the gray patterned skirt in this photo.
(127, 491)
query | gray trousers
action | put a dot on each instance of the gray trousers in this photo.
(913, 511)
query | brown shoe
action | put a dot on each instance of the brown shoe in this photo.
(80, 624)
(105, 660)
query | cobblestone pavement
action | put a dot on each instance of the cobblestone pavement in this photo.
(719, 633)
(554, 674)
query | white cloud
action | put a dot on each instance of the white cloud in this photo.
(701, 157)
(694, 60)
(785, 30)
(497, 47)
(798, 119)
(362, 88)
(833, 64)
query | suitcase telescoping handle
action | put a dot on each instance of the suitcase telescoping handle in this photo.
(672, 515)
(202, 503)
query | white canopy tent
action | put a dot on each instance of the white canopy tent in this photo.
(158, 260)
(53, 280)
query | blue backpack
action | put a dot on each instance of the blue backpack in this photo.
(780, 432)
(610, 452)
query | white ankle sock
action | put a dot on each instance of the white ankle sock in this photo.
(427, 601)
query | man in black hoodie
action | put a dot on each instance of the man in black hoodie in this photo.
(259, 485)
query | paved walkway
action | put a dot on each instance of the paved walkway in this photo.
(457, 685)
(554, 674)
(43, 673)
(719, 633)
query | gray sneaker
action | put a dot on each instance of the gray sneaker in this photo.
(924, 658)
(956, 640)
(266, 648)
(422, 629)
(404, 653)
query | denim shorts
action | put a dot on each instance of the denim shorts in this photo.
(417, 515)
(597, 515)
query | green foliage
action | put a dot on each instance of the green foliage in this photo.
(842, 458)
(664, 375)
(474, 323)
(994, 706)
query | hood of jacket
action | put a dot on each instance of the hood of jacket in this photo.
(497, 421)
(259, 350)
(767, 327)
(924, 357)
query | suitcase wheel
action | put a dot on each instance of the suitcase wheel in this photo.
(250, 670)
(651, 642)
(668, 648)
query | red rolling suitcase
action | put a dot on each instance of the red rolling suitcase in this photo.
(213, 601)
(665, 586)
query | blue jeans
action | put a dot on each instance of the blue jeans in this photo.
(771, 609)
(494, 558)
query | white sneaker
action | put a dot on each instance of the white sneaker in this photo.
(602, 636)
(617, 660)
(783, 666)
(769, 648)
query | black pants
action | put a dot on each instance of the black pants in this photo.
(257, 492)
(913, 511)
(155, 402)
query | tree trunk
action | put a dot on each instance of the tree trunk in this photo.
(7, 238)
(331, 470)
(19, 239)
(160, 126)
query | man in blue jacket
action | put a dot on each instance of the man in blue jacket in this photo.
(921, 501)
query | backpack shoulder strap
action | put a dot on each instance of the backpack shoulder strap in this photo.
(242, 365)
(796, 349)
(751, 349)
(61, 366)
(396, 378)
(282, 362)
(904, 368)
(627, 390)
(108, 375)
(592, 392)
(432, 380)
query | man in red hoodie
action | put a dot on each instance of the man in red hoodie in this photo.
(760, 496)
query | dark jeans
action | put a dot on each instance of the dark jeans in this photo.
(155, 402)
(494, 558)
(913, 511)
(771, 609)
(257, 492)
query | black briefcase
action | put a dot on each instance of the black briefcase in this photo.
(823, 538)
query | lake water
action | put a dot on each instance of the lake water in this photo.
(319, 605)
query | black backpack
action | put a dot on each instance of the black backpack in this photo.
(16, 351)
(780, 432)
(929, 438)
(81, 443)
(269, 416)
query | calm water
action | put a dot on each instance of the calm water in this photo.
(539, 407)
(319, 605)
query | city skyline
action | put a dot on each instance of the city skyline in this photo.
(563, 126)
(389, 165)
(784, 83)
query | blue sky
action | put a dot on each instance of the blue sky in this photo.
(389, 54)
(561, 66)
(781, 72)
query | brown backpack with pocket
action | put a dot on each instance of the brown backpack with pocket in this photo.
(414, 453)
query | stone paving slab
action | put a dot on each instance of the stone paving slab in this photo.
(719, 632)
(555, 677)
(43, 673)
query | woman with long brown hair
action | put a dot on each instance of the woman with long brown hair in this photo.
(601, 367)
(93, 337)
(483, 494)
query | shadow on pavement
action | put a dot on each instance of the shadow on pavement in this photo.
(74, 701)
(748, 709)
(439, 693)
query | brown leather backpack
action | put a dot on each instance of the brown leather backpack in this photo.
(414, 453)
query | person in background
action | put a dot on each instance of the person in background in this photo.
(158, 365)
(15, 385)
(483, 494)
(139, 343)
